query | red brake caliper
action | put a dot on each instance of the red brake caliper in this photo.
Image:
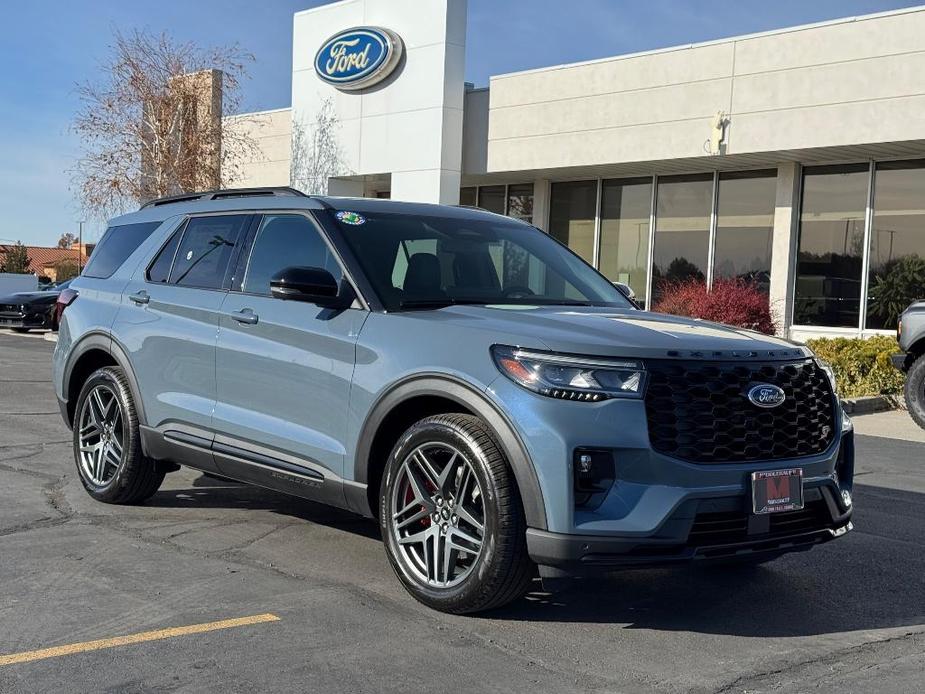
(409, 496)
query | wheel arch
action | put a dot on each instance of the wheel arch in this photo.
(423, 395)
(917, 348)
(94, 351)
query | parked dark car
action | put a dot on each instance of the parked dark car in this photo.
(27, 311)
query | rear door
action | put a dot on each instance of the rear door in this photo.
(169, 321)
(284, 368)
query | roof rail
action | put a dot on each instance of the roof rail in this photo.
(278, 191)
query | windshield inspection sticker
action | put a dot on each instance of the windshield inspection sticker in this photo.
(352, 218)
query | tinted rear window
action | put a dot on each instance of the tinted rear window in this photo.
(205, 250)
(117, 244)
(159, 271)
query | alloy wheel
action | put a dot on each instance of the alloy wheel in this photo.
(101, 436)
(438, 515)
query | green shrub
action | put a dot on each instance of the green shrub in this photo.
(862, 366)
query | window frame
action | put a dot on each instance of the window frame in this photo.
(176, 231)
(181, 229)
(242, 260)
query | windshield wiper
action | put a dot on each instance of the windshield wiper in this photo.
(493, 301)
(440, 303)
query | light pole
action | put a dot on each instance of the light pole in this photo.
(80, 245)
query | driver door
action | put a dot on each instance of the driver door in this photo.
(284, 368)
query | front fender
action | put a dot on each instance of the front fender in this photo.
(472, 399)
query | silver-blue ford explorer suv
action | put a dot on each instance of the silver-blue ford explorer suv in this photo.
(498, 405)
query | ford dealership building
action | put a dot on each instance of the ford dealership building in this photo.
(793, 158)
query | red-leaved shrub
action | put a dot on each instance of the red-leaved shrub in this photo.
(731, 301)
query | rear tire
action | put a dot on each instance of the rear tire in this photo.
(462, 501)
(915, 391)
(107, 442)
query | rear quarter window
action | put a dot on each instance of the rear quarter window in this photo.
(117, 244)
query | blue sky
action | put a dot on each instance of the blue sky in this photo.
(50, 46)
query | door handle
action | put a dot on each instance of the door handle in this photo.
(140, 297)
(245, 316)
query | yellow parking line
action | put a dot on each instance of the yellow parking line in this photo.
(156, 635)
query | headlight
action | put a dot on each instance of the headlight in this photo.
(829, 371)
(570, 377)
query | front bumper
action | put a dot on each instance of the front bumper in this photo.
(21, 320)
(717, 529)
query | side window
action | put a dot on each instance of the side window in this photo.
(117, 244)
(205, 250)
(159, 270)
(286, 240)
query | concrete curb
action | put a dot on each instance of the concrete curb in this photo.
(872, 403)
(50, 337)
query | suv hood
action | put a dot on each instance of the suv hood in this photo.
(618, 332)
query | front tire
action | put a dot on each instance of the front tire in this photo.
(107, 442)
(452, 519)
(915, 391)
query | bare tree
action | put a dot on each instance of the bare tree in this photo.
(67, 240)
(316, 152)
(152, 125)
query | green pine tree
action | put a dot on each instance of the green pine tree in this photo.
(15, 259)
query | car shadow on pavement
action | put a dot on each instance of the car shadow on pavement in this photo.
(214, 493)
(870, 579)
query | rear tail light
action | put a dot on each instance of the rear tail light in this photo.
(65, 299)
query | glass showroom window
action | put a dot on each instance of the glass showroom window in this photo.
(745, 227)
(572, 212)
(520, 202)
(828, 283)
(491, 198)
(514, 200)
(469, 196)
(682, 230)
(896, 269)
(626, 206)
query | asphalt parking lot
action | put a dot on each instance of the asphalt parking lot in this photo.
(319, 610)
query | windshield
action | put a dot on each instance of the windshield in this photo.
(420, 262)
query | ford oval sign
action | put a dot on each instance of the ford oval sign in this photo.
(766, 395)
(358, 58)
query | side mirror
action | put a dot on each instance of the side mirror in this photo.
(628, 292)
(312, 284)
(625, 290)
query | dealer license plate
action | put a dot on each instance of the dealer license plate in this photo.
(777, 490)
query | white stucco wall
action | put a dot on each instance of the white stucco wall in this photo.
(843, 83)
(410, 125)
(271, 132)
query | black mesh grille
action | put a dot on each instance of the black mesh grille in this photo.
(700, 412)
(9, 308)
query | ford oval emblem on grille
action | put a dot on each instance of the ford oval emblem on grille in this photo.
(766, 395)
